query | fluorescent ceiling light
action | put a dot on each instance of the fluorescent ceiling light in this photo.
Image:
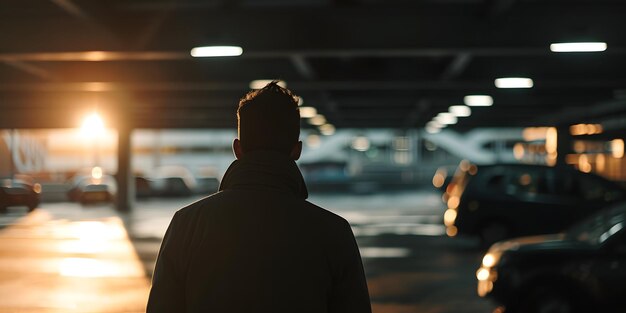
(432, 130)
(216, 51)
(260, 83)
(478, 100)
(460, 110)
(435, 124)
(361, 143)
(446, 118)
(578, 47)
(514, 82)
(307, 112)
(317, 120)
(327, 129)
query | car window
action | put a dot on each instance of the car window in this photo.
(590, 188)
(527, 182)
(565, 184)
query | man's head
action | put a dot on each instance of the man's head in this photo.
(268, 119)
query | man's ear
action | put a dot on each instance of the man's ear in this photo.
(237, 148)
(296, 151)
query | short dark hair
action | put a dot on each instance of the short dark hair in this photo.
(268, 119)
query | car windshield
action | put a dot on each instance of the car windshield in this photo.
(599, 227)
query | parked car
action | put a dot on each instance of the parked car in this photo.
(580, 270)
(496, 202)
(94, 188)
(173, 181)
(19, 192)
(207, 185)
(143, 187)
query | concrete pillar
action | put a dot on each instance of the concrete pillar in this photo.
(125, 178)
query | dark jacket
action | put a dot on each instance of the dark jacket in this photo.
(259, 246)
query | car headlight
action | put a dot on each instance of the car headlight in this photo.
(37, 188)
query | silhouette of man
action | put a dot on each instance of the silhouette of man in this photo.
(257, 245)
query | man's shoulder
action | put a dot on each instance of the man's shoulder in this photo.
(214, 200)
(324, 213)
(225, 199)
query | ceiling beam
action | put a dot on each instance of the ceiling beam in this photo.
(30, 69)
(360, 27)
(456, 67)
(572, 85)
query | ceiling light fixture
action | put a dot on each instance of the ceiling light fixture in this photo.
(317, 120)
(260, 83)
(460, 110)
(514, 82)
(307, 112)
(432, 130)
(216, 51)
(478, 101)
(327, 129)
(435, 124)
(578, 47)
(446, 118)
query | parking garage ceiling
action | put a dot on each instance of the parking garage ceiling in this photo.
(360, 63)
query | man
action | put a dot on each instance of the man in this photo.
(257, 245)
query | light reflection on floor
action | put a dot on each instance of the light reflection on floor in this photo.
(58, 265)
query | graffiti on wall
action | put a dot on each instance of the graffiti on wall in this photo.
(20, 153)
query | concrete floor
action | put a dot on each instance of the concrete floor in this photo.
(50, 264)
(67, 258)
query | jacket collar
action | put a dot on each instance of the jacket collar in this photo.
(265, 170)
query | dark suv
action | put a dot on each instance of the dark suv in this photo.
(500, 201)
(580, 270)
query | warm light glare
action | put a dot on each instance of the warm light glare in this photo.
(95, 55)
(478, 100)
(216, 51)
(96, 172)
(449, 217)
(260, 83)
(300, 100)
(518, 151)
(482, 274)
(92, 125)
(583, 163)
(453, 202)
(600, 162)
(534, 133)
(617, 148)
(585, 129)
(446, 118)
(514, 82)
(307, 112)
(551, 140)
(460, 110)
(578, 47)
(439, 179)
(489, 260)
(452, 231)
